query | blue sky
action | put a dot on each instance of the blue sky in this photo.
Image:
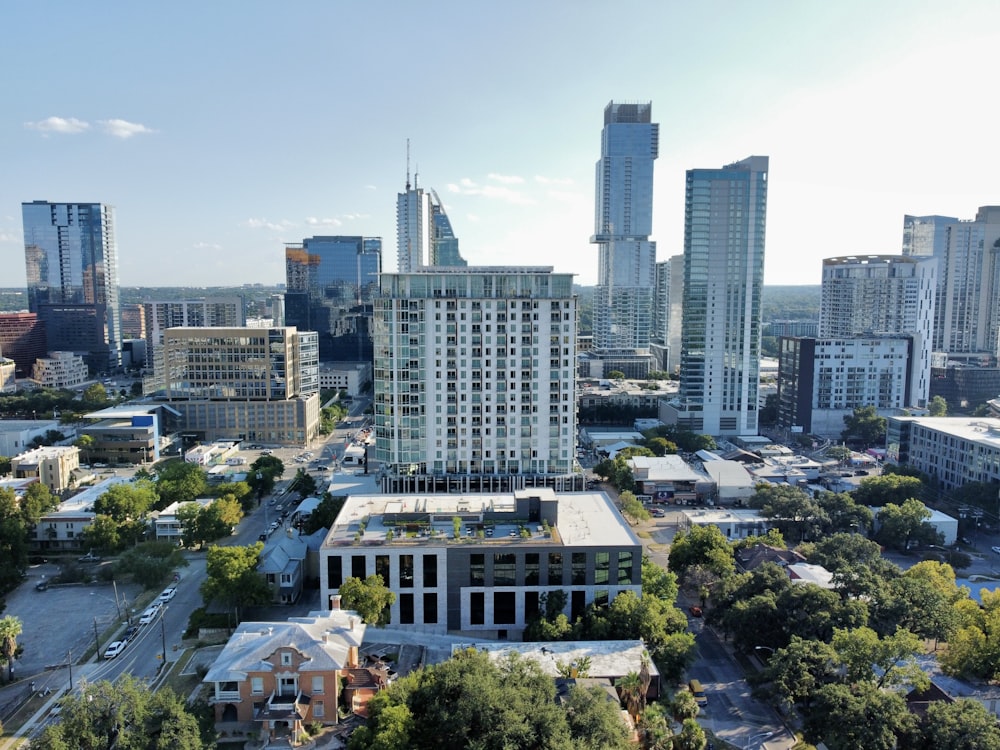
(221, 130)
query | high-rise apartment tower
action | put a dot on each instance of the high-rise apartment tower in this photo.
(724, 221)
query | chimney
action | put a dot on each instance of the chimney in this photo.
(352, 624)
(352, 657)
(334, 601)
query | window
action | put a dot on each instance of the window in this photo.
(530, 604)
(579, 562)
(406, 609)
(430, 609)
(555, 568)
(286, 659)
(319, 710)
(477, 608)
(430, 571)
(625, 567)
(602, 568)
(477, 570)
(406, 571)
(504, 608)
(318, 685)
(257, 685)
(531, 569)
(335, 571)
(382, 568)
(504, 569)
(359, 569)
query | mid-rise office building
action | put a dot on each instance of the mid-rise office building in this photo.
(876, 295)
(724, 222)
(484, 575)
(51, 465)
(71, 257)
(60, 370)
(474, 379)
(329, 289)
(623, 222)
(133, 321)
(22, 338)
(252, 384)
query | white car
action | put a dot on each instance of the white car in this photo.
(115, 649)
(997, 550)
(167, 595)
(149, 615)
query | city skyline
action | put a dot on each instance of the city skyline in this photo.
(230, 137)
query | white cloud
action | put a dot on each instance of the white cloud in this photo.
(541, 180)
(63, 125)
(207, 246)
(465, 186)
(315, 222)
(124, 128)
(9, 237)
(505, 179)
(370, 187)
(265, 224)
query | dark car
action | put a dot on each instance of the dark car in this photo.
(41, 585)
(130, 633)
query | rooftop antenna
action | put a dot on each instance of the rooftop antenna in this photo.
(407, 165)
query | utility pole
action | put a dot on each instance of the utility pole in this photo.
(163, 635)
(97, 643)
(69, 663)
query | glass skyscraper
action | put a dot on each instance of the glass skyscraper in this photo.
(423, 231)
(623, 302)
(71, 258)
(331, 282)
(724, 220)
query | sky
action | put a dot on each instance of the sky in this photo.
(222, 130)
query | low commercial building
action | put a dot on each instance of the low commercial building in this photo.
(666, 479)
(52, 465)
(61, 529)
(733, 483)
(350, 377)
(273, 678)
(478, 564)
(733, 523)
(17, 434)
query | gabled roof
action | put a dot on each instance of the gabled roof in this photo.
(278, 555)
(753, 557)
(324, 639)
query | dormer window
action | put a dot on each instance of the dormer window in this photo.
(286, 659)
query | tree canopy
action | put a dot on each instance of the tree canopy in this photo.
(232, 578)
(471, 702)
(370, 598)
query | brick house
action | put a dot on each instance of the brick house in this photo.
(273, 678)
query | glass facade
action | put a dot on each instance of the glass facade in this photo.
(724, 221)
(71, 260)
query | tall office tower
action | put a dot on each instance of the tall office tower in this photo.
(276, 303)
(876, 295)
(475, 379)
(72, 267)
(243, 383)
(22, 338)
(330, 284)
(423, 231)
(623, 221)
(724, 220)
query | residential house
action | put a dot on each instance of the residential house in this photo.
(282, 563)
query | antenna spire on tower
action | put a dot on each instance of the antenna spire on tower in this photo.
(407, 164)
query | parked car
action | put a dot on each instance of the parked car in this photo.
(168, 594)
(90, 557)
(114, 649)
(695, 611)
(41, 585)
(150, 614)
(996, 549)
(130, 633)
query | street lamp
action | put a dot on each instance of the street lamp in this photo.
(764, 648)
(760, 736)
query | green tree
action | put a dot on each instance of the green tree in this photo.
(616, 375)
(844, 513)
(180, 482)
(149, 563)
(102, 534)
(632, 694)
(370, 598)
(937, 407)
(303, 483)
(791, 509)
(657, 582)
(683, 705)
(263, 474)
(94, 396)
(849, 717)
(325, 513)
(36, 502)
(974, 649)
(797, 671)
(593, 720)
(701, 545)
(232, 578)
(127, 501)
(962, 725)
(470, 702)
(884, 662)
(125, 714)
(632, 508)
(901, 525)
(5, 465)
(10, 629)
(13, 541)
(888, 488)
(691, 736)
(865, 426)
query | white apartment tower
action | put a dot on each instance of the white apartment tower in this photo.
(623, 221)
(724, 219)
(876, 295)
(474, 379)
